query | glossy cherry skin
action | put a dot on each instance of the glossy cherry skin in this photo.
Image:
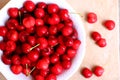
(6, 59)
(69, 41)
(98, 71)
(25, 60)
(16, 59)
(41, 30)
(39, 22)
(41, 5)
(57, 69)
(39, 77)
(10, 46)
(12, 35)
(54, 59)
(39, 13)
(67, 31)
(29, 6)
(101, 42)
(76, 44)
(91, 17)
(65, 57)
(66, 64)
(13, 12)
(86, 73)
(95, 36)
(109, 24)
(61, 49)
(23, 36)
(64, 14)
(2, 45)
(3, 31)
(26, 48)
(71, 52)
(52, 8)
(53, 19)
(16, 69)
(31, 40)
(52, 41)
(26, 71)
(51, 77)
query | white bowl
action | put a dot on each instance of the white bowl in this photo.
(78, 25)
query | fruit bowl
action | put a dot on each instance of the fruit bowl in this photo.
(5, 70)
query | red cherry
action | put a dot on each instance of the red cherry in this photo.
(33, 56)
(98, 71)
(13, 12)
(42, 64)
(31, 40)
(43, 43)
(6, 59)
(61, 49)
(51, 77)
(96, 36)
(12, 24)
(57, 69)
(64, 14)
(25, 60)
(74, 35)
(46, 51)
(39, 22)
(67, 31)
(41, 5)
(3, 31)
(52, 30)
(26, 48)
(60, 39)
(39, 13)
(76, 44)
(2, 45)
(54, 59)
(26, 71)
(52, 8)
(69, 22)
(41, 30)
(20, 27)
(109, 24)
(29, 22)
(69, 41)
(39, 77)
(29, 6)
(91, 17)
(12, 35)
(16, 69)
(66, 57)
(10, 46)
(66, 64)
(53, 19)
(16, 59)
(44, 72)
(59, 26)
(23, 36)
(101, 42)
(52, 41)
(71, 52)
(87, 73)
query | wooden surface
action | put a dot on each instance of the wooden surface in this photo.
(107, 57)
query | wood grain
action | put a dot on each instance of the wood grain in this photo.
(3, 2)
(107, 57)
(2, 77)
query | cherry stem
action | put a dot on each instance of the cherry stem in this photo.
(76, 13)
(31, 71)
(20, 17)
(27, 70)
(34, 47)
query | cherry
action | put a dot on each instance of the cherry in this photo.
(6, 59)
(3, 31)
(68, 23)
(23, 36)
(26, 71)
(12, 35)
(41, 30)
(54, 59)
(53, 19)
(12, 24)
(33, 56)
(66, 64)
(87, 73)
(109, 24)
(26, 48)
(101, 42)
(39, 13)
(91, 17)
(29, 6)
(52, 41)
(39, 77)
(52, 8)
(61, 49)
(43, 43)
(10, 46)
(69, 41)
(64, 14)
(13, 12)
(16, 59)
(46, 52)
(76, 44)
(60, 26)
(71, 52)
(31, 40)
(41, 5)
(67, 31)
(52, 30)
(44, 72)
(98, 71)
(20, 27)
(2, 45)
(65, 57)
(51, 77)
(96, 36)
(29, 22)
(42, 64)
(57, 69)
(16, 69)
(25, 60)
(39, 22)
(74, 35)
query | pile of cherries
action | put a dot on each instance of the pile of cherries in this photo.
(39, 40)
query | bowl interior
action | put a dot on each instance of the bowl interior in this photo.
(77, 24)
